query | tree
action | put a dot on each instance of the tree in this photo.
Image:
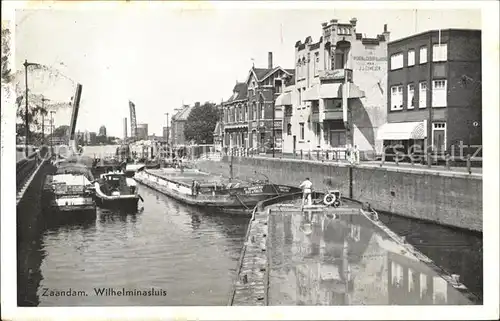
(200, 124)
(6, 72)
(61, 131)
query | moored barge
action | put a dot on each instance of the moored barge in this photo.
(200, 189)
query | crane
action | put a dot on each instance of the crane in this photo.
(133, 121)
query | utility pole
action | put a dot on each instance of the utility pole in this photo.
(43, 119)
(26, 64)
(429, 102)
(51, 129)
(273, 107)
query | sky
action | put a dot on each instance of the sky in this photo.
(160, 58)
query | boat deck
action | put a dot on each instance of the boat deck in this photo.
(188, 175)
(327, 256)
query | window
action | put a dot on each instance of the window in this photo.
(411, 97)
(300, 97)
(337, 138)
(397, 61)
(254, 112)
(318, 133)
(396, 97)
(411, 57)
(440, 52)
(423, 55)
(439, 137)
(301, 126)
(316, 63)
(289, 129)
(422, 95)
(262, 111)
(439, 93)
(246, 112)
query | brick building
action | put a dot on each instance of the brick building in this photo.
(338, 97)
(248, 114)
(177, 124)
(441, 69)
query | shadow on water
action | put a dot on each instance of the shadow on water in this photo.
(456, 251)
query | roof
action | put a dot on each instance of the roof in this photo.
(183, 114)
(432, 31)
(262, 73)
(239, 92)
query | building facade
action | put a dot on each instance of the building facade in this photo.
(177, 123)
(248, 114)
(441, 69)
(339, 95)
(102, 131)
(142, 131)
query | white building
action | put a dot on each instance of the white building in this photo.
(342, 69)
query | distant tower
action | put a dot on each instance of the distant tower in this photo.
(102, 131)
(125, 128)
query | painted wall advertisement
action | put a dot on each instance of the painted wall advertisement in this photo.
(370, 62)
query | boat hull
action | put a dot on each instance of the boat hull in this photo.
(65, 214)
(121, 203)
(233, 202)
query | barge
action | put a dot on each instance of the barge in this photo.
(68, 193)
(196, 188)
(335, 255)
(115, 190)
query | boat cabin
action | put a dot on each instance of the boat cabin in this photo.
(115, 183)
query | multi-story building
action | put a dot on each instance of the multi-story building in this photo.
(235, 118)
(339, 95)
(142, 131)
(248, 114)
(165, 134)
(102, 131)
(438, 68)
(177, 123)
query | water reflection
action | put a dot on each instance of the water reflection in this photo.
(345, 260)
(190, 254)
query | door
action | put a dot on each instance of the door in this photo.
(438, 140)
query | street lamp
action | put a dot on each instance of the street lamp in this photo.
(26, 64)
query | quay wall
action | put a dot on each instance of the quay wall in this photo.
(29, 225)
(448, 199)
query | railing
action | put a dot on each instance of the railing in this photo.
(438, 161)
(25, 168)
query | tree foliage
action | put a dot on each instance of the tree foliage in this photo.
(200, 124)
(6, 71)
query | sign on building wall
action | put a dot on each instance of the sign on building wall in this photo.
(370, 61)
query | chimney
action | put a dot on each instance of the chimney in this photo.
(270, 60)
(386, 33)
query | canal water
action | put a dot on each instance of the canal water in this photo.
(184, 256)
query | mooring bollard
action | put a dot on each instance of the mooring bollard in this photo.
(469, 164)
(301, 154)
(447, 158)
(429, 161)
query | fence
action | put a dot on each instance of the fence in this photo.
(25, 168)
(443, 161)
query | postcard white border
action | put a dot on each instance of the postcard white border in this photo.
(490, 309)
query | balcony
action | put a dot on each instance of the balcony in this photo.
(336, 74)
(333, 114)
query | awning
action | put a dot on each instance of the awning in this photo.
(401, 131)
(335, 90)
(328, 91)
(311, 93)
(283, 99)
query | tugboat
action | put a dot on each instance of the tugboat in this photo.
(116, 190)
(68, 193)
